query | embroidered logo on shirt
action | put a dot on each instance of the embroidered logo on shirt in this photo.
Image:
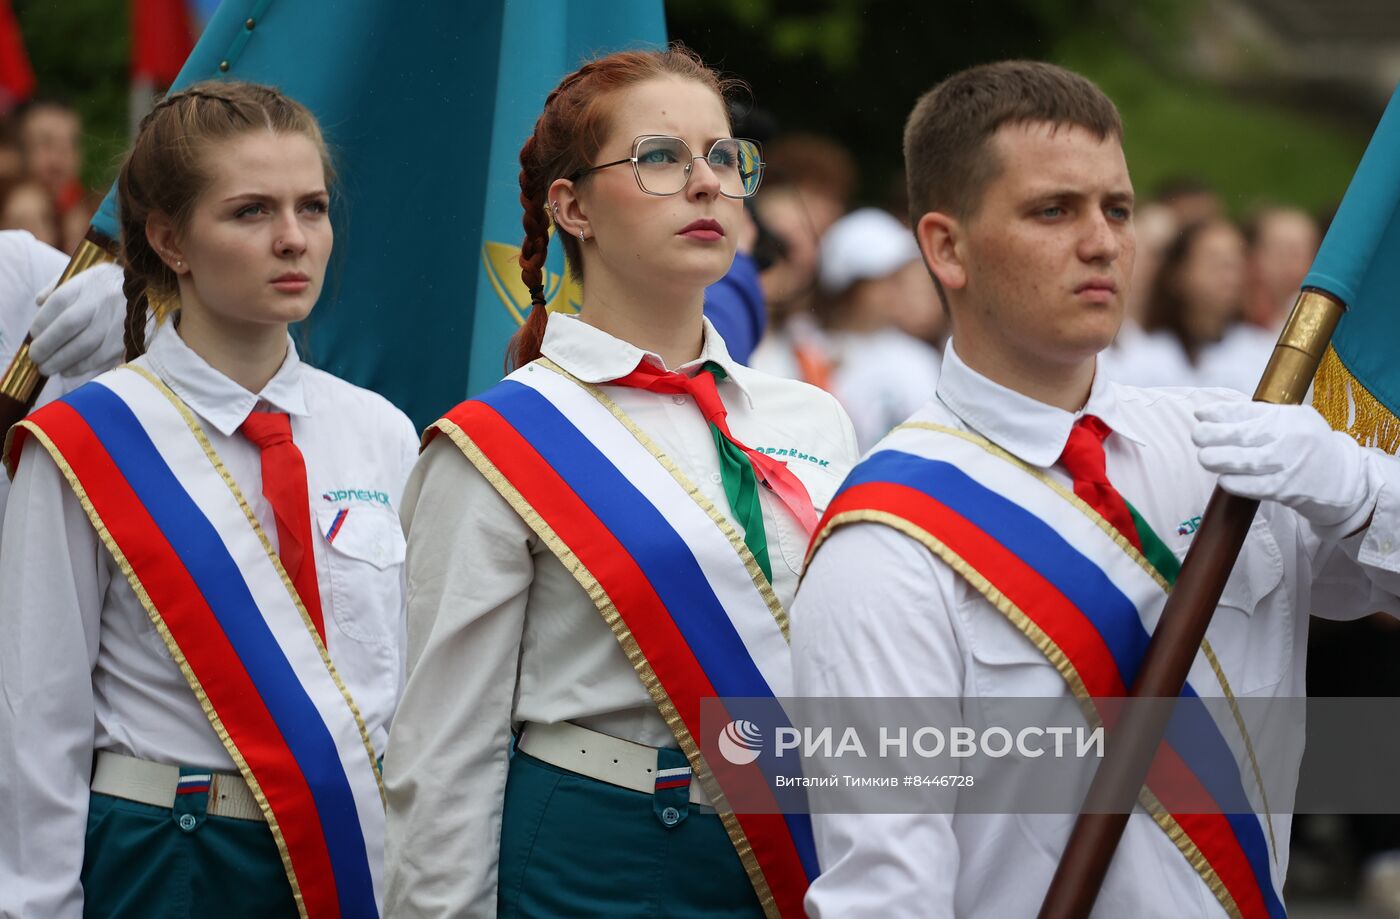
(1188, 527)
(794, 453)
(356, 494)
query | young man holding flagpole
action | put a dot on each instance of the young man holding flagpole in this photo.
(1018, 536)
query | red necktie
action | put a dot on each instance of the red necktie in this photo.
(1083, 459)
(284, 487)
(770, 472)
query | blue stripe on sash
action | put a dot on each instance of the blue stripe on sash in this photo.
(209, 563)
(664, 557)
(1191, 730)
(1028, 538)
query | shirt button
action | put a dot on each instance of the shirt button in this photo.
(679, 400)
(670, 816)
(187, 822)
(1387, 546)
(716, 478)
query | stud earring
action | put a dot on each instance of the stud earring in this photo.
(179, 264)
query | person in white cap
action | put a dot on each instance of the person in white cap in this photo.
(870, 273)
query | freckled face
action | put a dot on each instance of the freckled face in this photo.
(1049, 251)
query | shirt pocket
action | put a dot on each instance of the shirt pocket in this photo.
(1006, 664)
(791, 538)
(364, 559)
(1012, 685)
(1252, 631)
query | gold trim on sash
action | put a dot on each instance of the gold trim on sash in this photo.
(726, 526)
(1083, 506)
(158, 622)
(1058, 659)
(574, 565)
(1142, 561)
(175, 653)
(198, 431)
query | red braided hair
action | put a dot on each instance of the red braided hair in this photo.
(567, 136)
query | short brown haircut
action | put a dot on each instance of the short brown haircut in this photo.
(945, 138)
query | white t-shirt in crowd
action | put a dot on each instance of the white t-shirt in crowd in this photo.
(27, 266)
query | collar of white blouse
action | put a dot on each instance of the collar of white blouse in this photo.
(218, 400)
(594, 356)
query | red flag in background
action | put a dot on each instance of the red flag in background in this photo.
(161, 39)
(16, 76)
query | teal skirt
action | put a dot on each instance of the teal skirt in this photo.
(145, 862)
(576, 847)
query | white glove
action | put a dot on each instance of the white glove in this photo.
(78, 329)
(1289, 454)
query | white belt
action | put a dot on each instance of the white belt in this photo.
(597, 756)
(156, 784)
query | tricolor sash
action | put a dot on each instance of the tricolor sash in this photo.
(667, 571)
(177, 525)
(1081, 593)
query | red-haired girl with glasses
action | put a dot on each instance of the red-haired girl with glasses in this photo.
(605, 538)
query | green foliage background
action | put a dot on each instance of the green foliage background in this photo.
(853, 68)
(81, 52)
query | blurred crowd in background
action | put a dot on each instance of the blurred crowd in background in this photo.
(851, 307)
(41, 162)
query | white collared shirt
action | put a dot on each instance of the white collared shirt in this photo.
(82, 668)
(1237, 361)
(882, 378)
(879, 615)
(27, 266)
(500, 633)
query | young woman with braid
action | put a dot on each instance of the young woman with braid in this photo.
(201, 620)
(605, 538)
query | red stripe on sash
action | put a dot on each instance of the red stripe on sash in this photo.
(1211, 833)
(1062, 621)
(1020, 582)
(206, 649)
(643, 612)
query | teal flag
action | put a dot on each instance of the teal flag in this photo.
(425, 106)
(1358, 385)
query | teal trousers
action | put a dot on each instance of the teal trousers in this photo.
(575, 847)
(144, 862)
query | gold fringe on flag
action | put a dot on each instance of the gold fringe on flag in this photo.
(1348, 406)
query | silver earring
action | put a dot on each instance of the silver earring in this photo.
(581, 236)
(179, 264)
